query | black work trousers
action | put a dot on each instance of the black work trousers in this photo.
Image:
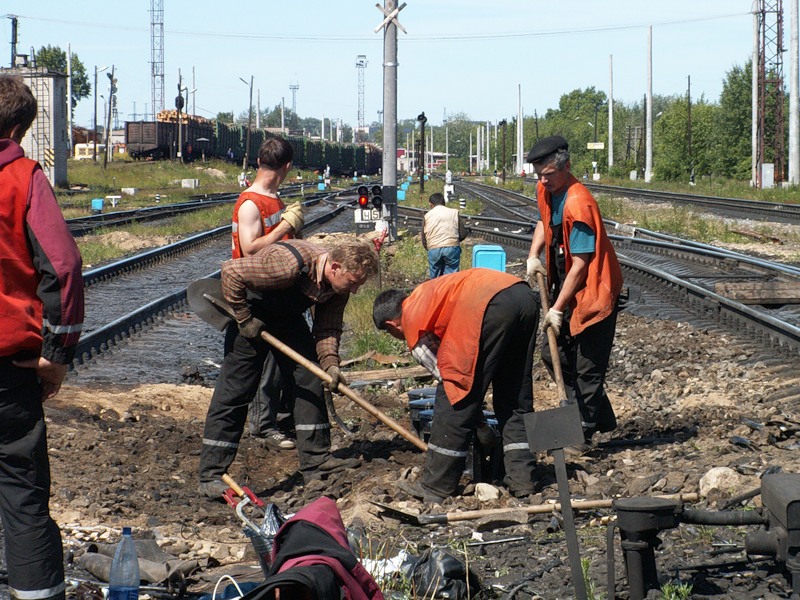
(236, 387)
(34, 554)
(584, 363)
(505, 355)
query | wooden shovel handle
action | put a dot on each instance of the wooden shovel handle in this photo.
(536, 509)
(344, 390)
(558, 375)
(229, 481)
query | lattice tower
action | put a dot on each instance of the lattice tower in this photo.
(770, 120)
(361, 66)
(157, 55)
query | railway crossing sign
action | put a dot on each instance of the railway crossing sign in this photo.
(391, 17)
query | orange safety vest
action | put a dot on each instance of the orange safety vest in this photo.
(598, 297)
(271, 210)
(452, 307)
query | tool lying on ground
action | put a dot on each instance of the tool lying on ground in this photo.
(535, 509)
(205, 298)
(261, 536)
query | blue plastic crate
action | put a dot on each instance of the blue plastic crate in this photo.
(489, 257)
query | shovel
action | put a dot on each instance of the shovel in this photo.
(553, 430)
(205, 298)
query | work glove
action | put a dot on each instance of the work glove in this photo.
(534, 266)
(337, 377)
(553, 319)
(251, 328)
(293, 215)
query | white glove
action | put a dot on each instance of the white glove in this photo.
(553, 319)
(534, 266)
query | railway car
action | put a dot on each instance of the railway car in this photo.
(156, 140)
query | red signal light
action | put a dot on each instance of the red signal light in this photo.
(363, 196)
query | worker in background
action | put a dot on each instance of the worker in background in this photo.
(290, 276)
(469, 329)
(259, 219)
(442, 233)
(584, 280)
(41, 310)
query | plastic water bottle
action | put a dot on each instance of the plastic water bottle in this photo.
(123, 580)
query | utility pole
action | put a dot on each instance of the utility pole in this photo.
(794, 97)
(179, 107)
(611, 112)
(390, 26)
(14, 22)
(503, 125)
(648, 134)
(246, 159)
(422, 120)
(112, 90)
(96, 71)
(689, 127)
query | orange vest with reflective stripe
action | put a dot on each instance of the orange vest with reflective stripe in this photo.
(452, 307)
(271, 210)
(599, 295)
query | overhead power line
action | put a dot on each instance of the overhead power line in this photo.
(433, 37)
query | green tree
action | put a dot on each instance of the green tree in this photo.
(55, 59)
(225, 117)
(733, 125)
(671, 157)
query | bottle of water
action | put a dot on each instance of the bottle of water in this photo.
(123, 580)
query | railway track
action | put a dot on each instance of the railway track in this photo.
(131, 295)
(81, 226)
(687, 274)
(692, 275)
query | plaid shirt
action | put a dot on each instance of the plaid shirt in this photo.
(275, 268)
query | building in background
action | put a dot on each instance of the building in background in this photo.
(46, 140)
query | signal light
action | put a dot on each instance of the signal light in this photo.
(363, 196)
(377, 198)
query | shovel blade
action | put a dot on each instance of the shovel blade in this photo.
(205, 299)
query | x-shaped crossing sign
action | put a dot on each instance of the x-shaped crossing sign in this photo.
(391, 17)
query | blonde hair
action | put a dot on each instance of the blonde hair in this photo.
(356, 257)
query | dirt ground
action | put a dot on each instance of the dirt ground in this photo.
(128, 455)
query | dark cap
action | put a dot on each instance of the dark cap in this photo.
(545, 147)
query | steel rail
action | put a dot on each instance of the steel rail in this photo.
(104, 338)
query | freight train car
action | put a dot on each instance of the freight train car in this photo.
(159, 139)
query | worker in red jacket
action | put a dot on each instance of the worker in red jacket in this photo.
(470, 329)
(41, 316)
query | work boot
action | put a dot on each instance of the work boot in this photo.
(212, 490)
(329, 467)
(415, 490)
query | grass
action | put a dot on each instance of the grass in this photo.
(366, 337)
(97, 249)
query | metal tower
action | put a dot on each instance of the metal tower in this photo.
(361, 65)
(294, 87)
(157, 55)
(770, 134)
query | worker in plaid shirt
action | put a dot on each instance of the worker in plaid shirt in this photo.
(290, 276)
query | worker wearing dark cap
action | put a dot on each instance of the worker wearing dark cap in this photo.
(584, 281)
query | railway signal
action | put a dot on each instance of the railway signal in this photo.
(363, 196)
(377, 197)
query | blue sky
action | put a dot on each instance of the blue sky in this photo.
(459, 56)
